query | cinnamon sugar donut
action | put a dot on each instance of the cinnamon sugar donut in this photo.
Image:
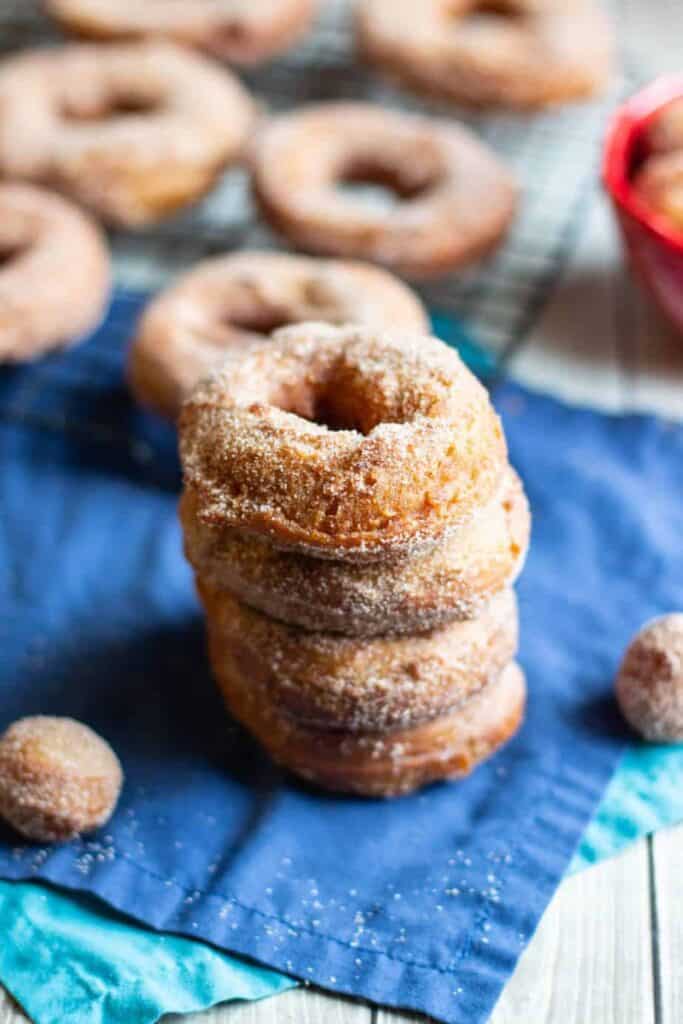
(454, 199)
(240, 31)
(504, 53)
(132, 131)
(649, 684)
(329, 681)
(665, 131)
(383, 763)
(54, 273)
(659, 184)
(409, 594)
(229, 302)
(342, 442)
(57, 778)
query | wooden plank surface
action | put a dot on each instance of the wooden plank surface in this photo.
(667, 886)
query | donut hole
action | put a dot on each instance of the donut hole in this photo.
(125, 103)
(489, 14)
(262, 320)
(382, 186)
(11, 251)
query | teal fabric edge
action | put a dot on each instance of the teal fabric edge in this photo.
(644, 795)
(68, 958)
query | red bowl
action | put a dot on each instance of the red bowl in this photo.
(654, 247)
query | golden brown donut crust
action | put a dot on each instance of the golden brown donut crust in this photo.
(57, 778)
(454, 581)
(383, 764)
(338, 682)
(133, 131)
(240, 31)
(659, 184)
(54, 251)
(509, 53)
(665, 131)
(229, 303)
(417, 448)
(456, 199)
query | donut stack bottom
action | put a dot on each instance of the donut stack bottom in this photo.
(357, 709)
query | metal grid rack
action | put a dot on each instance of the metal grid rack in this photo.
(554, 155)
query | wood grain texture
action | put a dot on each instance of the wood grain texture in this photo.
(10, 1013)
(591, 958)
(301, 1006)
(667, 861)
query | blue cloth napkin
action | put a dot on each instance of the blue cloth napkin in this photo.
(423, 902)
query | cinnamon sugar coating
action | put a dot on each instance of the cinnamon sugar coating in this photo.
(53, 250)
(382, 763)
(664, 133)
(240, 31)
(330, 681)
(510, 53)
(659, 183)
(409, 594)
(133, 131)
(58, 778)
(649, 685)
(454, 199)
(342, 442)
(228, 303)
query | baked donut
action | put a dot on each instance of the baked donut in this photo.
(649, 684)
(342, 442)
(664, 133)
(659, 185)
(454, 199)
(502, 53)
(240, 31)
(454, 581)
(58, 778)
(329, 681)
(133, 131)
(382, 763)
(229, 302)
(54, 273)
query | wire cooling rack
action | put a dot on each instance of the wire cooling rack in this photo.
(555, 157)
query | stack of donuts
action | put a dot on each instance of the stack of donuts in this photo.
(355, 529)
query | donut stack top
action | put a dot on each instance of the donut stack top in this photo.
(342, 443)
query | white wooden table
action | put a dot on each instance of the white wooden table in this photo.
(610, 947)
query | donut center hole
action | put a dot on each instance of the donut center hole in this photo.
(263, 321)
(381, 187)
(10, 251)
(489, 13)
(123, 104)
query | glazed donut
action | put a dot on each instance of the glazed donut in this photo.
(455, 200)
(51, 250)
(389, 763)
(132, 131)
(328, 681)
(58, 778)
(504, 53)
(240, 31)
(454, 581)
(229, 302)
(342, 442)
